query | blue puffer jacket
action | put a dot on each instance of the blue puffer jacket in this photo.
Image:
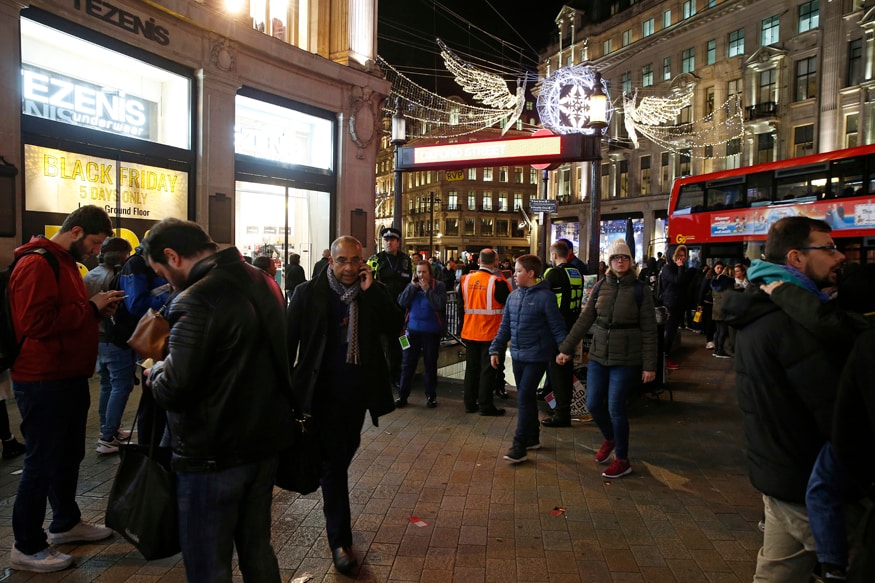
(525, 314)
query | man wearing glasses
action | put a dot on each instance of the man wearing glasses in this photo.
(339, 372)
(786, 378)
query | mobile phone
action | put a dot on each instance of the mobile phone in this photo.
(363, 273)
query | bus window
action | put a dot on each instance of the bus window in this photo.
(847, 178)
(725, 197)
(806, 185)
(759, 188)
(692, 197)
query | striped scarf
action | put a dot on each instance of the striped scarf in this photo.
(348, 296)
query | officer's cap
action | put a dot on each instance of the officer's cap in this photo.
(390, 233)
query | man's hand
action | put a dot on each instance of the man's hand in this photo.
(562, 358)
(107, 302)
(648, 376)
(769, 288)
(366, 275)
(493, 360)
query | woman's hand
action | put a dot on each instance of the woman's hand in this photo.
(648, 376)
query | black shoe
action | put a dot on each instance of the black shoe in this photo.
(516, 454)
(344, 560)
(502, 393)
(12, 448)
(471, 409)
(494, 412)
(431, 402)
(555, 421)
(400, 402)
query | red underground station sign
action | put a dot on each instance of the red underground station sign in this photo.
(534, 150)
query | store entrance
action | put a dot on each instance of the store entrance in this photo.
(278, 219)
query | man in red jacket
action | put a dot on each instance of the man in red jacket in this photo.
(56, 323)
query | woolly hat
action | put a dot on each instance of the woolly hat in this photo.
(618, 247)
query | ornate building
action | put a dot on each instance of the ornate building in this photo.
(797, 76)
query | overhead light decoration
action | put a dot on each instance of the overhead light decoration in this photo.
(436, 116)
(697, 139)
(487, 88)
(570, 101)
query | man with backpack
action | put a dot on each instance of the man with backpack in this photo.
(116, 362)
(56, 328)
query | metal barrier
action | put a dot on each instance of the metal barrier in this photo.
(455, 313)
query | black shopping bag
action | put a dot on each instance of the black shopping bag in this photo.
(299, 466)
(142, 502)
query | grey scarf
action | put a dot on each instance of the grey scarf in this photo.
(348, 296)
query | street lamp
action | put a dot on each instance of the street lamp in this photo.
(432, 199)
(399, 138)
(597, 120)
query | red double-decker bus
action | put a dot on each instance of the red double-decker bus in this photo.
(727, 214)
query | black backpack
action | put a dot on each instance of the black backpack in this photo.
(9, 345)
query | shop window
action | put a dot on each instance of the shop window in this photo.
(114, 93)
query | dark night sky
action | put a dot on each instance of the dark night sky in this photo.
(506, 41)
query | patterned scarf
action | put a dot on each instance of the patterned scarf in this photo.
(348, 296)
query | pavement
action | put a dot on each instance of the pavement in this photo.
(433, 500)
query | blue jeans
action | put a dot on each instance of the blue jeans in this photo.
(53, 418)
(607, 390)
(427, 345)
(223, 509)
(116, 366)
(829, 489)
(527, 375)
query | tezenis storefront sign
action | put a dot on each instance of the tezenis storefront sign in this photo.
(124, 20)
(52, 96)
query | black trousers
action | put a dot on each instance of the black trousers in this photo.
(561, 382)
(480, 377)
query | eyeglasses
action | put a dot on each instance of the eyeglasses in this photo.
(831, 249)
(620, 258)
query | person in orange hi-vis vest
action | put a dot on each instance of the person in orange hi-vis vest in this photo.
(484, 292)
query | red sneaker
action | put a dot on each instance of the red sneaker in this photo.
(604, 452)
(671, 365)
(617, 469)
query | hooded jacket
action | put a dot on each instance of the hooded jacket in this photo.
(786, 379)
(225, 383)
(623, 333)
(527, 311)
(53, 317)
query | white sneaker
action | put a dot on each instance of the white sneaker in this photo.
(104, 447)
(47, 560)
(709, 346)
(82, 532)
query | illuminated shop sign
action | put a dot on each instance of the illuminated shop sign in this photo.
(52, 96)
(541, 149)
(59, 182)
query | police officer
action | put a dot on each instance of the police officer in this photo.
(566, 281)
(394, 269)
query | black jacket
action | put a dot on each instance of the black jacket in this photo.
(308, 321)
(786, 378)
(225, 383)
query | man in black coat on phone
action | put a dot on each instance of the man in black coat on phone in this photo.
(339, 372)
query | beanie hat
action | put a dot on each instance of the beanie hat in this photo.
(618, 247)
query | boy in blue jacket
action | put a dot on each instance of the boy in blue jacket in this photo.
(528, 308)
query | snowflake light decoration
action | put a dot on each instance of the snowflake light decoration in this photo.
(563, 102)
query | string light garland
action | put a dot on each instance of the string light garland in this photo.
(487, 88)
(437, 116)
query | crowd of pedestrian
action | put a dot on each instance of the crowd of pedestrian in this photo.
(344, 345)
